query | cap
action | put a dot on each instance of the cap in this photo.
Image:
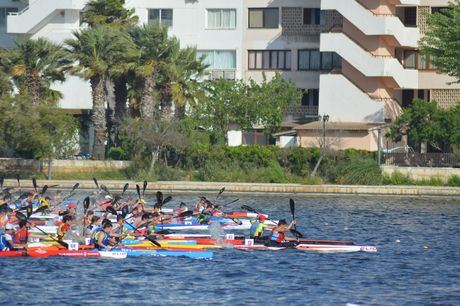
(72, 205)
(107, 197)
(203, 199)
(282, 221)
(262, 218)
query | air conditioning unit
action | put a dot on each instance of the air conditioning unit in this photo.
(229, 75)
(217, 74)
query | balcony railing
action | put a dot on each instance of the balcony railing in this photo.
(302, 111)
(422, 159)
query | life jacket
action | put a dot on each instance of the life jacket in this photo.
(5, 245)
(95, 238)
(62, 230)
(20, 236)
(276, 236)
(253, 228)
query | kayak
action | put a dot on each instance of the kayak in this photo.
(163, 253)
(43, 253)
(12, 253)
(321, 248)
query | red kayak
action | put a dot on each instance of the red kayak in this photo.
(13, 253)
(47, 252)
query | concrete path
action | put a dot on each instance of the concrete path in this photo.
(254, 188)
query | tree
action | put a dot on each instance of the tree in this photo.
(154, 45)
(34, 65)
(245, 105)
(113, 12)
(442, 41)
(178, 79)
(40, 131)
(424, 122)
(145, 140)
(6, 87)
(96, 53)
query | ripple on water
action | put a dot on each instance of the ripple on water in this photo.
(399, 274)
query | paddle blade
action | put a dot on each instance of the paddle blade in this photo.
(19, 182)
(124, 211)
(125, 188)
(44, 189)
(166, 200)
(237, 221)
(103, 187)
(220, 192)
(248, 208)
(29, 211)
(144, 187)
(111, 210)
(62, 243)
(2, 179)
(95, 182)
(34, 183)
(292, 207)
(86, 202)
(75, 187)
(21, 216)
(187, 213)
(296, 233)
(159, 197)
(153, 241)
(138, 190)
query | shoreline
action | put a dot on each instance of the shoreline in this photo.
(183, 187)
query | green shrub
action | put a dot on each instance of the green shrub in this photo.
(454, 181)
(359, 172)
(397, 178)
(117, 153)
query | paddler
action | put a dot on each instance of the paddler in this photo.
(201, 205)
(278, 236)
(257, 228)
(118, 231)
(101, 237)
(20, 235)
(64, 227)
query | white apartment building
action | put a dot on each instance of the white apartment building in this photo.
(358, 59)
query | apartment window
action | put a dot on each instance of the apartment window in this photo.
(315, 60)
(410, 16)
(263, 18)
(313, 16)
(413, 59)
(269, 59)
(161, 16)
(4, 11)
(221, 19)
(310, 98)
(218, 59)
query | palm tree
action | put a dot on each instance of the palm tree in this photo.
(179, 80)
(96, 53)
(112, 13)
(154, 46)
(36, 63)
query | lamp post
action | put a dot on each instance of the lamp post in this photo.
(324, 118)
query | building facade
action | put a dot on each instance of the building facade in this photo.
(358, 59)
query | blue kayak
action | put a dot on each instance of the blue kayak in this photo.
(161, 253)
(135, 241)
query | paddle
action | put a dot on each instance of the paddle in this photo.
(138, 190)
(159, 196)
(103, 187)
(143, 189)
(124, 211)
(34, 183)
(292, 207)
(2, 179)
(220, 192)
(19, 184)
(95, 182)
(125, 188)
(22, 217)
(124, 235)
(136, 229)
(44, 189)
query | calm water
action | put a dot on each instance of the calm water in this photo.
(399, 274)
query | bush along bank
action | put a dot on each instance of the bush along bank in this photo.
(257, 164)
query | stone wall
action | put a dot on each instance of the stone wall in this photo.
(423, 173)
(445, 98)
(422, 23)
(293, 27)
(61, 166)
